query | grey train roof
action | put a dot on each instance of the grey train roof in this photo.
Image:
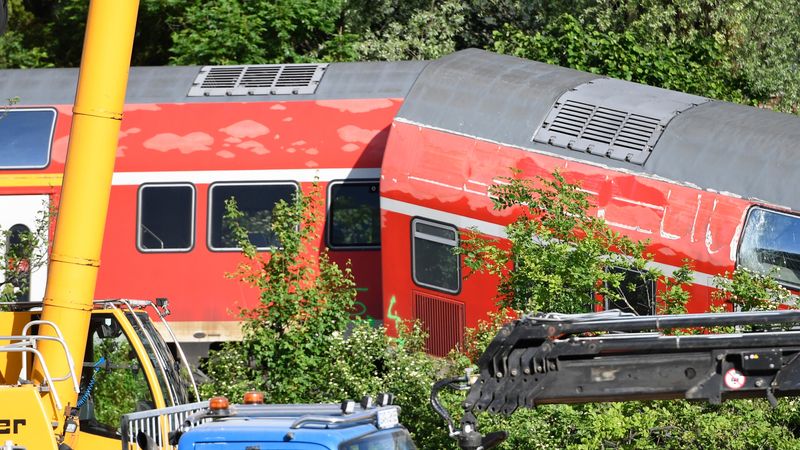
(711, 144)
(172, 84)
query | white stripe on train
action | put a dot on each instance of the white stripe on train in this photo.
(212, 176)
(493, 229)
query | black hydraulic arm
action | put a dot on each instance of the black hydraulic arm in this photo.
(613, 356)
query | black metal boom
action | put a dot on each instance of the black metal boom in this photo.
(614, 356)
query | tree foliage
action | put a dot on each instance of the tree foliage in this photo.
(560, 257)
(302, 344)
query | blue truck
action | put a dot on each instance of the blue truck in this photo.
(371, 424)
(255, 426)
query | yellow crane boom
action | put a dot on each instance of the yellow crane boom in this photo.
(75, 257)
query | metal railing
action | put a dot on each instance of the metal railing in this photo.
(25, 343)
(151, 429)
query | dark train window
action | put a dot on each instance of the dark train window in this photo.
(638, 293)
(26, 135)
(433, 263)
(771, 244)
(166, 218)
(255, 201)
(354, 214)
(18, 258)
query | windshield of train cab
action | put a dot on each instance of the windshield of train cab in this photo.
(26, 134)
(771, 246)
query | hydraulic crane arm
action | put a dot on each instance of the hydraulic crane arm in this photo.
(611, 356)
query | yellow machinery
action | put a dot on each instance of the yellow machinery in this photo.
(70, 370)
(126, 367)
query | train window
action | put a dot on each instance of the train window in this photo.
(771, 244)
(18, 254)
(638, 293)
(255, 201)
(434, 264)
(354, 215)
(26, 135)
(166, 218)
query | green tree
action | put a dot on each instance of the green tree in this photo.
(560, 256)
(427, 33)
(740, 50)
(697, 67)
(301, 343)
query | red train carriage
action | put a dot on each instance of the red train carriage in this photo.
(705, 180)
(192, 137)
(701, 179)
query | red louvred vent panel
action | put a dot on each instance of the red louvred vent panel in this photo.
(443, 321)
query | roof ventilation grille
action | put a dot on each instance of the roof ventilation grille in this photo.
(613, 118)
(262, 79)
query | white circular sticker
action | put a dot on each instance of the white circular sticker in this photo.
(734, 379)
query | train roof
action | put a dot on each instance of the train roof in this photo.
(173, 84)
(690, 139)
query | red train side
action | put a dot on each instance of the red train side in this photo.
(701, 180)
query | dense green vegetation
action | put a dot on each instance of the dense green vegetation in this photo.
(301, 344)
(738, 50)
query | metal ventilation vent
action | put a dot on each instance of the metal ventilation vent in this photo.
(264, 79)
(613, 118)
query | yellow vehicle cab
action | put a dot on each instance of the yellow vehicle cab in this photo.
(127, 367)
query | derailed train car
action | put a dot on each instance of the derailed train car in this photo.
(408, 149)
(703, 180)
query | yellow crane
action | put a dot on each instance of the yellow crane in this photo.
(62, 368)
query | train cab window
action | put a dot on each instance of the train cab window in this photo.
(166, 218)
(434, 264)
(113, 380)
(771, 244)
(26, 135)
(638, 293)
(354, 215)
(256, 201)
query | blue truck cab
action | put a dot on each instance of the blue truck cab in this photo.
(255, 426)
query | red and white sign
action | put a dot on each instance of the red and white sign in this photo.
(734, 379)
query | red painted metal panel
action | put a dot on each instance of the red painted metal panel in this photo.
(443, 321)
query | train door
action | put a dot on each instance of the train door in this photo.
(18, 216)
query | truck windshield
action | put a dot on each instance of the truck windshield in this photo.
(173, 378)
(382, 440)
